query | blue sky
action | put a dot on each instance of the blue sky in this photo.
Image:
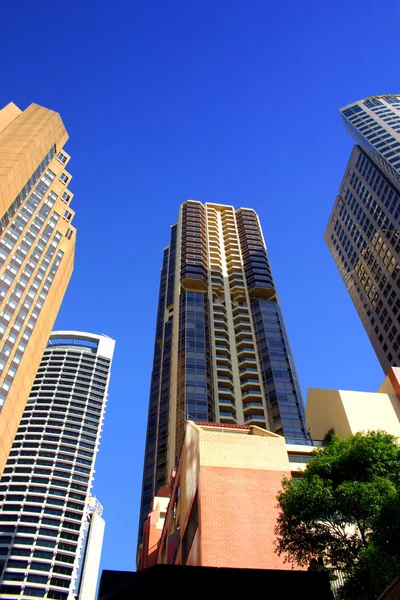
(228, 101)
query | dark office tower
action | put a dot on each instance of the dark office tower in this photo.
(363, 230)
(45, 490)
(221, 352)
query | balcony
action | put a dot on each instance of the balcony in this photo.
(243, 324)
(227, 417)
(233, 260)
(241, 330)
(251, 394)
(218, 287)
(246, 351)
(226, 406)
(250, 382)
(238, 293)
(225, 393)
(258, 419)
(222, 359)
(221, 337)
(251, 360)
(253, 407)
(224, 369)
(222, 348)
(241, 315)
(219, 318)
(215, 265)
(225, 379)
(244, 341)
(249, 370)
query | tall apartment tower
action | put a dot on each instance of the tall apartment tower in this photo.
(221, 350)
(363, 230)
(46, 512)
(37, 243)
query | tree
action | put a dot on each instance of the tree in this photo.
(379, 563)
(336, 511)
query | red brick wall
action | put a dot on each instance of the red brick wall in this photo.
(238, 516)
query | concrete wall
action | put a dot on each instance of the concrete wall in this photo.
(348, 412)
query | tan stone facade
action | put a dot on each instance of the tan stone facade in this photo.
(37, 243)
(348, 412)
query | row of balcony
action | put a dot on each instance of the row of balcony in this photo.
(227, 417)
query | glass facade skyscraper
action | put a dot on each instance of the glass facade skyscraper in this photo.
(374, 123)
(363, 230)
(45, 489)
(221, 350)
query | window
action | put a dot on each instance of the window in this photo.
(34, 591)
(42, 554)
(8, 590)
(57, 595)
(14, 576)
(37, 579)
(39, 566)
(17, 564)
(62, 158)
(64, 178)
(46, 543)
(26, 541)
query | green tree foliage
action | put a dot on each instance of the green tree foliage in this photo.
(379, 562)
(340, 510)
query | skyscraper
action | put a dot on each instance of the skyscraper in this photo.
(37, 243)
(221, 350)
(46, 486)
(374, 123)
(88, 571)
(363, 230)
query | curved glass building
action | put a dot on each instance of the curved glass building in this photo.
(46, 486)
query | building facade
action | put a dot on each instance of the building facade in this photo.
(88, 572)
(220, 509)
(363, 230)
(374, 123)
(349, 412)
(45, 489)
(221, 351)
(37, 243)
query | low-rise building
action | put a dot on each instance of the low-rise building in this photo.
(220, 507)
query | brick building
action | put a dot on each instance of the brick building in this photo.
(222, 499)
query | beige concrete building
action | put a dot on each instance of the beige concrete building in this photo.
(348, 412)
(37, 243)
